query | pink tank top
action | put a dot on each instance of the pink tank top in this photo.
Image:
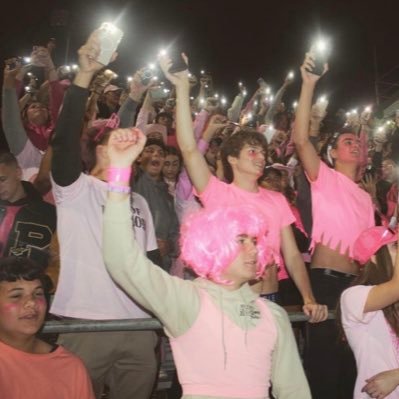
(215, 357)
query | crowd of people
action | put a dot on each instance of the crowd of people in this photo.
(162, 200)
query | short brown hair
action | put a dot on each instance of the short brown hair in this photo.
(233, 146)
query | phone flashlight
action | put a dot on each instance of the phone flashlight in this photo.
(202, 72)
(354, 111)
(320, 51)
(74, 67)
(239, 84)
(294, 104)
(162, 52)
(367, 109)
(223, 101)
(290, 75)
(129, 78)
(268, 90)
(322, 99)
(216, 95)
(27, 60)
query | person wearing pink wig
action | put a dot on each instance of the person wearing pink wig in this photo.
(226, 341)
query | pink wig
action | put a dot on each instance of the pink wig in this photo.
(209, 239)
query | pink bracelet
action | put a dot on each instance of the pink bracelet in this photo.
(118, 175)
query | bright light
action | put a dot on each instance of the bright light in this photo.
(240, 84)
(27, 60)
(27, 88)
(367, 109)
(74, 67)
(206, 86)
(162, 83)
(166, 91)
(216, 95)
(189, 75)
(29, 74)
(322, 99)
(321, 45)
(163, 52)
(129, 78)
(347, 114)
(294, 104)
(191, 98)
(290, 75)
(155, 78)
(244, 93)
(68, 68)
(202, 72)
(109, 26)
(268, 90)
(271, 98)
(115, 76)
(151, 66)
(256, 103)
(249, 115)
(223, 100)
(354, 111)
(380, 129)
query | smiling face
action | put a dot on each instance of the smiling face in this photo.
(152, 160)
(250, 161)
(347, 149)
(244, 266)
(22, 309)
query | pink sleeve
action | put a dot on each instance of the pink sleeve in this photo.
(142, 118)
(56, 99)
(353, 300)
(199, 123)
(324, 174)
(285, 212)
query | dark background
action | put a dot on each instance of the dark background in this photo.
(234, 40)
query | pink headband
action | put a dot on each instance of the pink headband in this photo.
(370, 241)
(111, 123)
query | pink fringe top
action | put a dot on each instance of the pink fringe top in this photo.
(341, 211)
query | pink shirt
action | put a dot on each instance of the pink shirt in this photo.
(271, 204)
(370, 338)
(341, 210)
(215, 357)
(58, 374)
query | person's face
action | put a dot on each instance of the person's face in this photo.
(155, 135)
(348, 148)
(243, 268)
(165, 121)
(22, 308)
(10, 182)
(37, 113)
(152, 160)
(112, 97)
(251, 160)
(171, 167)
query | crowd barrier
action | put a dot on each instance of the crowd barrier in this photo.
(76, 325)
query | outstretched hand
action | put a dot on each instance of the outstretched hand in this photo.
(124, 146)
(177, 78)
(89, 53)
(308, 65)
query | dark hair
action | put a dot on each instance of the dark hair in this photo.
(165, 114)
(170, 150)
(233, 146)
(157, 142)
(332, 141)
(7, 158)
(15, 268)
(374, 274)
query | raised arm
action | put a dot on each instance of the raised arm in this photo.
(305, 149)
(174, 301)
(10, 113)
(66, 164)
(193, 159)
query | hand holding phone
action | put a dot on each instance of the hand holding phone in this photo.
(109, 36)
(319, 53)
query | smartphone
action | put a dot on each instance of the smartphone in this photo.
(146, 75)
(110, 37)
(178, 63)
(320, 54)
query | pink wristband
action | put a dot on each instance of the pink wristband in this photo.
(118, 175)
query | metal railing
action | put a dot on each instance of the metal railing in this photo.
(77, 325)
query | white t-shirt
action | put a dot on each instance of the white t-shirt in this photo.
(85, 289)
(370, 338)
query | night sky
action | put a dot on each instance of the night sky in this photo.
(239, 40)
